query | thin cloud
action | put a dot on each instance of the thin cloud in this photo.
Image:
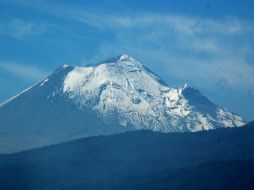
(187, 25)
(21, 29)
(205, 46)
(195, 49)
(27, 72)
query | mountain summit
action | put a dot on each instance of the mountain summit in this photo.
(113, 96)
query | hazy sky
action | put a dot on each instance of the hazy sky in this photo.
(207, 44)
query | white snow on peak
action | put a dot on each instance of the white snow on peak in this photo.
(184, 86)
(65, 65)
(44, 81)
(124, 57)
(76, 78)
(127, 90)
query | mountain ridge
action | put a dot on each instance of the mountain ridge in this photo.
(129, 76)
(75, 102)
(134, 158)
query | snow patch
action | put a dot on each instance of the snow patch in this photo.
(16, 96)
(43, 82)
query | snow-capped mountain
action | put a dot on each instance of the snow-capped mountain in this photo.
(117, 95)
(128, 92)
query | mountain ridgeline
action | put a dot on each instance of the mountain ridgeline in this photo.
(113, 96)
(215, 159)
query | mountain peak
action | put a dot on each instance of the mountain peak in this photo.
(125, 57)
(120, 58)
(123, 87)
(115, 95)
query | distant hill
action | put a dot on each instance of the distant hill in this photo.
(219, 175)
(138, 158)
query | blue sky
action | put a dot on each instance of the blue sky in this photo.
(207, 44)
